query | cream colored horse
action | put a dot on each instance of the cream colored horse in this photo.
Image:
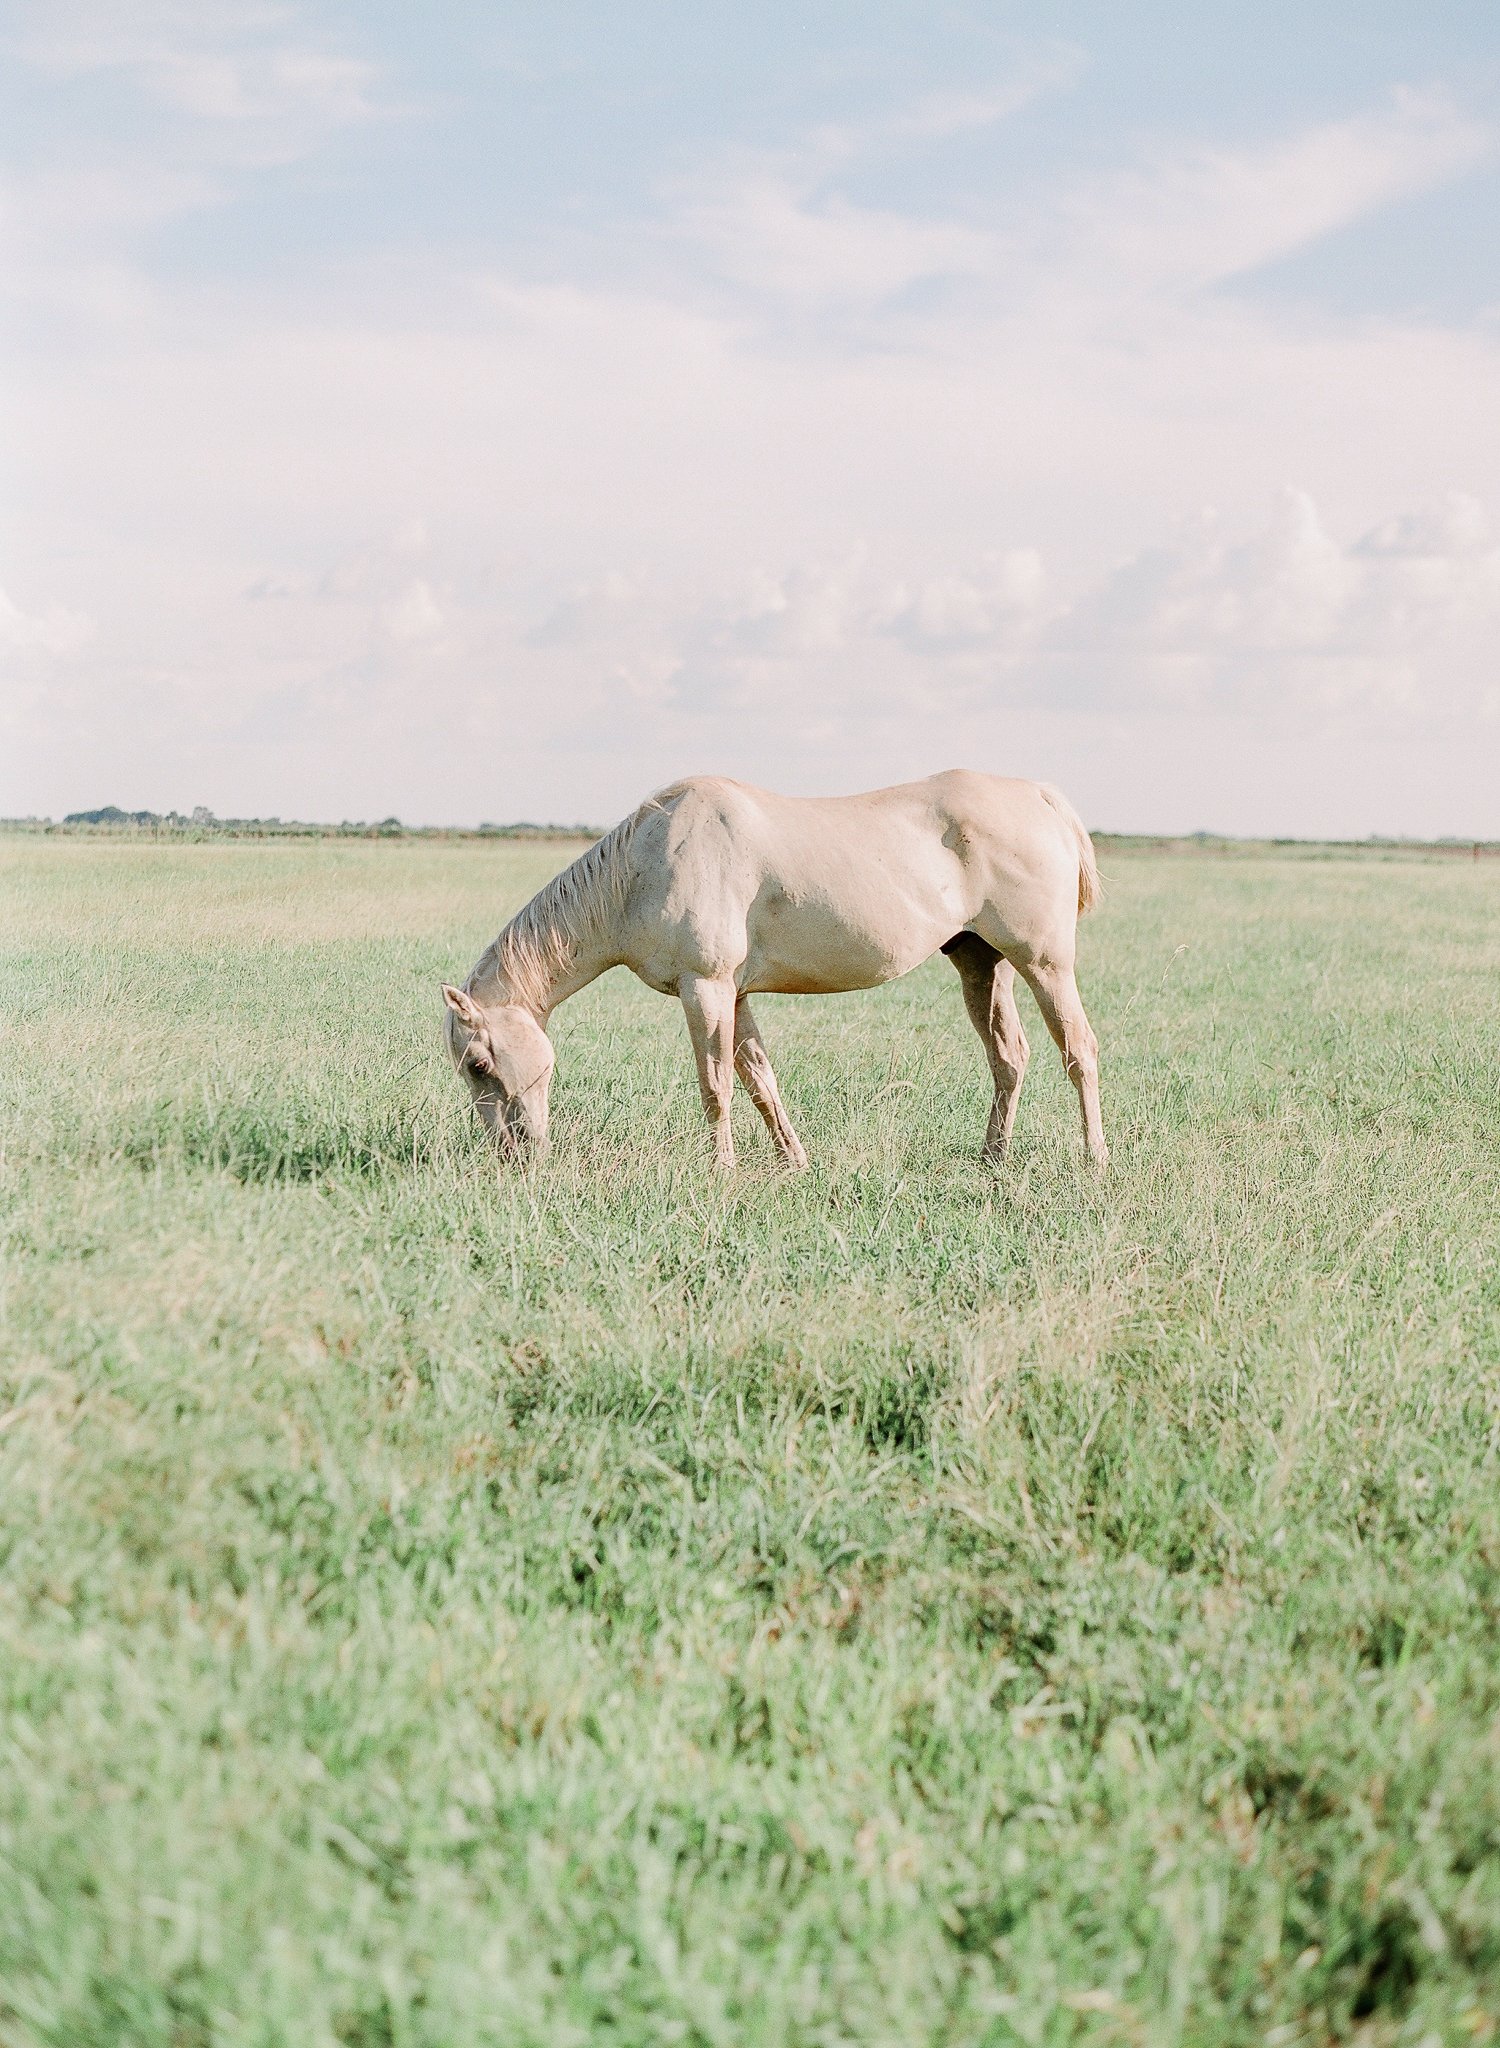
(713, 891)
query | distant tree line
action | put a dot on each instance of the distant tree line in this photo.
(201, 823)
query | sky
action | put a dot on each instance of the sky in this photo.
(493, 412)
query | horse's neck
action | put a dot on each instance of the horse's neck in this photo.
(587, 962)
(567, 935)
(538, 965)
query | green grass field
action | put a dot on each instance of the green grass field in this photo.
(895, 1605)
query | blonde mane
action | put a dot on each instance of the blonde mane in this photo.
(537, 947)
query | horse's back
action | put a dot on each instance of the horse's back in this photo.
(1006, 832)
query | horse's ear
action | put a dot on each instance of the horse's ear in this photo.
(464, 1008)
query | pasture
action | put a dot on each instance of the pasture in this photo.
(900, 1604)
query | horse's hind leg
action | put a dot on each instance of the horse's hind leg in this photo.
(753, 1066)
(988, 981)
(710, 1007)
(1061, 1005)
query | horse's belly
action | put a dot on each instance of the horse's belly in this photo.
(806, 949)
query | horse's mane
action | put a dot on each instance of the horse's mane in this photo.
(538, 944)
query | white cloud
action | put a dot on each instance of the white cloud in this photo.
(380, 568)
(234, 68)
(283, 86)
(1285, 587)
(776, 222)
(589, 611)
(54, 631)
(1399, 627)
(995, 602)
(1457, 527)
(205, 99)
(775, 234)
(413, 614)
(1178, 221)
(1194, 217)
(1404, 622)
(936, 117)
(801, 611)
(55, 207)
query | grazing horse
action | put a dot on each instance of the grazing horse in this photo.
(713, 891)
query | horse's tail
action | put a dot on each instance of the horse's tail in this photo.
(1090, 888)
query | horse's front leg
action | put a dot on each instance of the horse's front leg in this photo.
(710, 1007)
(754, 1067)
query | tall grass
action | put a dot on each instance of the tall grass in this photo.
(898, 1604)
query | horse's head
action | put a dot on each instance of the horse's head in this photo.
(505, 1059)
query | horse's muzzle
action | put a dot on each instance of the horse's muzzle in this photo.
(516, 1138)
